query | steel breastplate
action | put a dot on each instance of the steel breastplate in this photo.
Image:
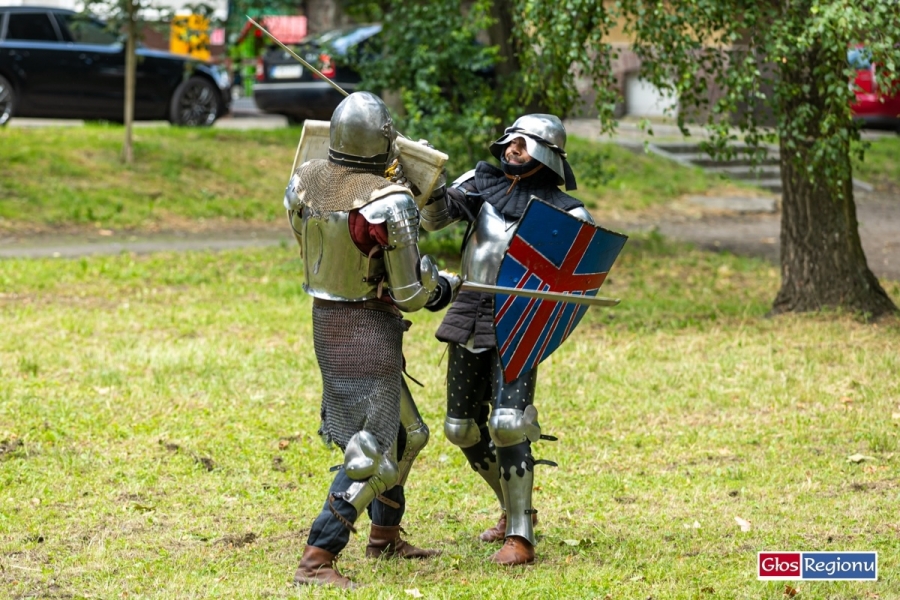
(334, 267)
(486, 245)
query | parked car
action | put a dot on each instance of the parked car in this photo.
(284, 86)
(61, 64)
(871, 106)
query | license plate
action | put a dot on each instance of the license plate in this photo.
(286, 72)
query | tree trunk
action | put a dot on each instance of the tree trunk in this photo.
(130, 77)
(822, 261)
(507, 68)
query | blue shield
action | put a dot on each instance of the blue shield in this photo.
(552, 251)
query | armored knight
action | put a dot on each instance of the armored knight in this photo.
(492, 421)
(358, 235)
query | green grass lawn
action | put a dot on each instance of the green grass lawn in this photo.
(158, 418)
(880, 166)
(72, 178)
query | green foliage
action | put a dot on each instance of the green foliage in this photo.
(431, 58)
(787, 60)
(557, 43)
(459, 92)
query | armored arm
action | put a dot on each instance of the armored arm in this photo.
(448, 205)
(412, 279)
(582, 213)
(292, 203)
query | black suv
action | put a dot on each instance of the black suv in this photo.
(60, 64)
(285, 87)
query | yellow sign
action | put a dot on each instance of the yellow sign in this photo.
(190, 35)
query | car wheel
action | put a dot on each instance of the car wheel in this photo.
(7, 100)
(195, 103)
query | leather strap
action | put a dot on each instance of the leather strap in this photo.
(517, 178)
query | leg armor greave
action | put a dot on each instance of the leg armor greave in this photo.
(474, 442)
(417, 433)
(512, 431)
(372, 473)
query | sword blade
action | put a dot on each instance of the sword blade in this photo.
(555, 296)
(297, 57)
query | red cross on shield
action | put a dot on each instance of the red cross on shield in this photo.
(551, 251)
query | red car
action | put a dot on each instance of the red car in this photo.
(873, 108)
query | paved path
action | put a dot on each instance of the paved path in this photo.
(53, 246)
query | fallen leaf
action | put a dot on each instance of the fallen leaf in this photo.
(636, 578)
(282, 444)
(743, 524)
(846, 400)
(895, 415)
(790, 591)
(571, 542)
(415, 593)
(858, 458)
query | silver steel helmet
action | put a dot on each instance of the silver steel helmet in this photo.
(545, 138)
(362, 132)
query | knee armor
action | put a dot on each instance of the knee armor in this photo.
(511, 426)
(372, 472)
(462, 432)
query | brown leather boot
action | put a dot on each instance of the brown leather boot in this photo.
(317, 568)
(385, 542)
(516, 551)
(497, 533)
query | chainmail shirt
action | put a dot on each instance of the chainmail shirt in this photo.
(327, 187)
(359, 352)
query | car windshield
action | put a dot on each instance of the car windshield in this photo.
(859, 58)
(341, 40)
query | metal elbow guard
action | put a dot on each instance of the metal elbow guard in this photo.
(511, 426)
(401, 216)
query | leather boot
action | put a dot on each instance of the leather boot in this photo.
(497, 533)
(385, 542)
(317, 568)
(516, 551)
